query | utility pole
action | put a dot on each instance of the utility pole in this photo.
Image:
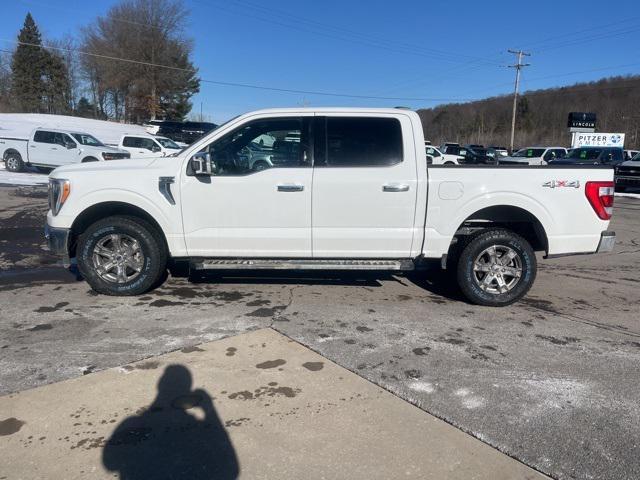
(518, 66)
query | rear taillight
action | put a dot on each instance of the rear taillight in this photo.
(600, 196)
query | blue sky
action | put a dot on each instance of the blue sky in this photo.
(435, 51)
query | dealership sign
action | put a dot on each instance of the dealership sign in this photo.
(581, 120)
(598, 140)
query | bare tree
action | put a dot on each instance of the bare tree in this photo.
(158, 79)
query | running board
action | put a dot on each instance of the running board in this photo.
(302, 264)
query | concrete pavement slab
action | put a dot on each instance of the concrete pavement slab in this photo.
(257, 405)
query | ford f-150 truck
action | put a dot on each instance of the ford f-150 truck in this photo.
(48, 148)
(347, 189)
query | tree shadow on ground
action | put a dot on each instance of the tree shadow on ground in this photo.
(168, 441)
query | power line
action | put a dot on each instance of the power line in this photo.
(233, 84)
(309, 26)
(589, 30)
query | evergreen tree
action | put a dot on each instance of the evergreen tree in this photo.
(56, 86)
(85, 108)
(27, 85)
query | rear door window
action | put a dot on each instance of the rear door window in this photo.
(361, 142)
(131, 142)
(44, 136)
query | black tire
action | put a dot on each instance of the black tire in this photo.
(89, 159)
(153, 265)
(506, 241)
(260, 165)
(13, 163)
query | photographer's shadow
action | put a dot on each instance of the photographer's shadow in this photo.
(167, 441)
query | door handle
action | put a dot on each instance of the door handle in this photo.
(54, 148)
(395, 187)
(290, 188)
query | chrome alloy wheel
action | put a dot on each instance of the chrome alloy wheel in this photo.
(12, 163)
(497, 269)
(117, 258)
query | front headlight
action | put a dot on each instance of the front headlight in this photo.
(59, 190)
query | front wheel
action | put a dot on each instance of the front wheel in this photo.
(122, 256)
(496, 268)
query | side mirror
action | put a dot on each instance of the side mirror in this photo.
(201, 165)
(155, 148)
(70, 145)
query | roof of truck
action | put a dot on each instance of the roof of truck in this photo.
(330, 110)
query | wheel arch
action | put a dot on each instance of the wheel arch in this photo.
(107, 209)
(511, 217)
(10, 151)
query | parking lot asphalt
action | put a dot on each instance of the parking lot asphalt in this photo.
(552, 381)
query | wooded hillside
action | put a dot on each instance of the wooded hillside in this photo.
(542, 115)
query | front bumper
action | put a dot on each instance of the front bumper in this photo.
(57, 240)
(627, 181)
(607, 242)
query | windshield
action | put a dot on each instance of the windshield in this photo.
(478, 151)
(168, 143)
(86, 139)
(529, 152)
(636, 157)
(584, 154)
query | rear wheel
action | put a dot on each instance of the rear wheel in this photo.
(496, 268)
(14, 163)
(122, 256)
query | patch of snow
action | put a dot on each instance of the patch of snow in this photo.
(473, 402)
(628, 195)
(462, 392)
(424, 387)
(23, 178)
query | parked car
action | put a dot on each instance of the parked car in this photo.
(145, 146)
(497, 152)
(457, 150)
(534, 156)
(629, 154)
(48, 148)
(627, 174)
(182, 132)
(591, 156)
(436, 157)
(477, 155)
(376, 205)
(444, 146)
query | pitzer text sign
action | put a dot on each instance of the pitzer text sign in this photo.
(598, 140)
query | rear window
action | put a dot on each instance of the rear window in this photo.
(363, 142)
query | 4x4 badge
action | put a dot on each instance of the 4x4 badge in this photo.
(562, 183)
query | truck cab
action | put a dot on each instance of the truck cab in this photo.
(148, 146)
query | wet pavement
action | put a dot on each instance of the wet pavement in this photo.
(552, 381)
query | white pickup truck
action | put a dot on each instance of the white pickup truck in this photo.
(48, 148)
(436, 157)
(346, 189)
(148, 146)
